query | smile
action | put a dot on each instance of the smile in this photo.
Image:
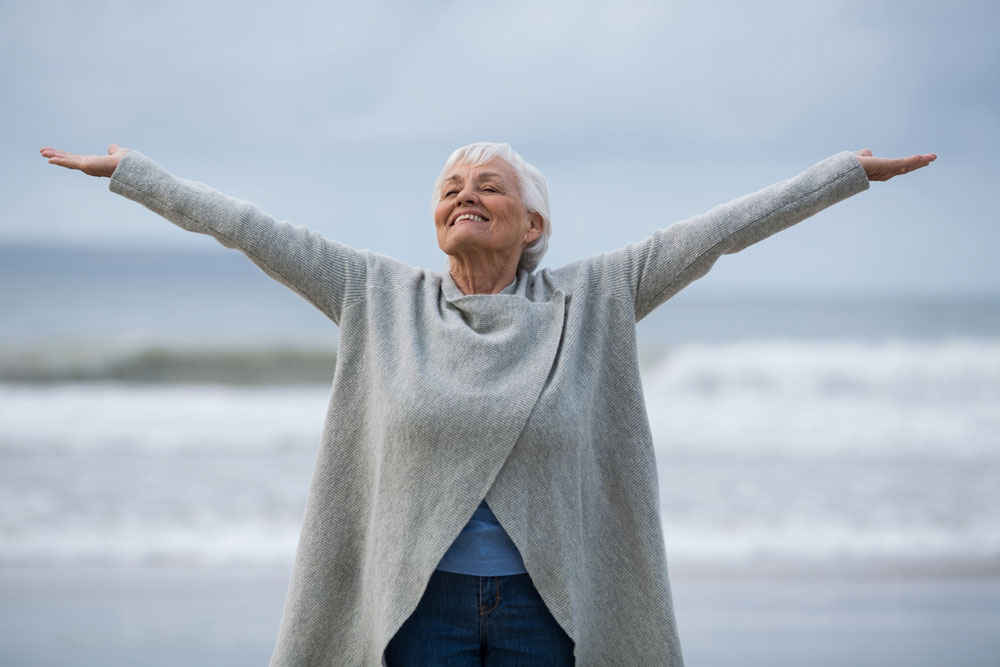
(468, 217)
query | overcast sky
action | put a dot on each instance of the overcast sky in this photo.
(339, 116)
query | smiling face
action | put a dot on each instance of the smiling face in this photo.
(480, 212)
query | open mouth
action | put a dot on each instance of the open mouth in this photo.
(467, 217)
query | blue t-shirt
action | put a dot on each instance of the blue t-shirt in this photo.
(483, 548)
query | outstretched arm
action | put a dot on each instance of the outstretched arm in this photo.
(660, 266)
(326, 273)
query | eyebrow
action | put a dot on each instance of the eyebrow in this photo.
(482, 176)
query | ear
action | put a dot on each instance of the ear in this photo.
(535, 226)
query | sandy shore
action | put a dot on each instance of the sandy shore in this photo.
(930, 614)
(916, 615)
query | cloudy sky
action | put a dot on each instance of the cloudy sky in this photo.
(339, 115)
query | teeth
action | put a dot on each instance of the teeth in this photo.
(469, 216)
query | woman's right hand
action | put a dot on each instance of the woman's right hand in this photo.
(95, 165)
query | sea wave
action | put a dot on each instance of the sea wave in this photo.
(174, 418)
(814, 451)
(808, 398)
(162, 364)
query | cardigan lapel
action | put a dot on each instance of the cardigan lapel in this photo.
(470, 380)
(452, 292)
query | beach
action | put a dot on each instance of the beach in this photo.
(784, 616)
(781, 616)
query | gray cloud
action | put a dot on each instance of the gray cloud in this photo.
(640, 114)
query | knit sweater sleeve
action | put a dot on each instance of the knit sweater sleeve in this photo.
(653, 270)
(326, 273)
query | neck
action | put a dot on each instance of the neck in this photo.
(483, 275)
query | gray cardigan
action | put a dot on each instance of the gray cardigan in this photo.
(530, 398)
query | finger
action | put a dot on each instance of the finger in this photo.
(112, 148)
(63, 162)
(867, 152)
(52, 152)
(908, 164)
(68, 160)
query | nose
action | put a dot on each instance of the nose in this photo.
(466, 196)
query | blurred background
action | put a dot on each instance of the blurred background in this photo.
(825, 404)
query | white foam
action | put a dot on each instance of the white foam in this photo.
(141, 542)
(96, 416)
(805, 398)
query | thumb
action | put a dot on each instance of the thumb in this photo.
(112, 149)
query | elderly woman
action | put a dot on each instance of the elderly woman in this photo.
(486, 488)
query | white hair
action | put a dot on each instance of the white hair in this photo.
(534, 190)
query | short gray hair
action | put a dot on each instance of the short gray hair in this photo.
(534, 190)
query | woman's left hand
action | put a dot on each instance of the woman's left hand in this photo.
(883, 168)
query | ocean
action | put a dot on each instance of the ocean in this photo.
(166, 407)
(163, 409)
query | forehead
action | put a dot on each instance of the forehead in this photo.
(495, 168)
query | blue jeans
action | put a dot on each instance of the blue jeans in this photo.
(464, 620)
